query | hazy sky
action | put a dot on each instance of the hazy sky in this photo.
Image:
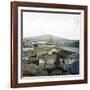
(62, 25)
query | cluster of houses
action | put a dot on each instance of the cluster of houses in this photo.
(30, 46)
(41, 44)
(42, 60)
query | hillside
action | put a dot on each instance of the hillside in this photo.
(51, 39)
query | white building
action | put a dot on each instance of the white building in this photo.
(53, 50)
(28, 49)
(41, 42)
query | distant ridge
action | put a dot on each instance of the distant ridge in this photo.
(50, 39)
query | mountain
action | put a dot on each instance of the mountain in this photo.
(51, 39)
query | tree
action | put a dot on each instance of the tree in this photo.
(57, 62)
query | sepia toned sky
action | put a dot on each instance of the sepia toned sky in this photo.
(61, 25)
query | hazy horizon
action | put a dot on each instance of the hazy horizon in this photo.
(49, 35)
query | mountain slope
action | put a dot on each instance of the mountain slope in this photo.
(51, 39)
